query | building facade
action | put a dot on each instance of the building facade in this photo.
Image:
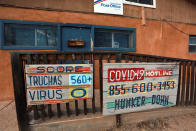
(154, 27)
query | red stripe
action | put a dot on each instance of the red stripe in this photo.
(60, 87)
(55, 101)
(99, 2)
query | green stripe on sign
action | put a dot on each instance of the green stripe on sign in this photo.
(110, 105)
(148, 100)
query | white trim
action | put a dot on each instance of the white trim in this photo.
(112, 39)
(36, 40)
(138, 4)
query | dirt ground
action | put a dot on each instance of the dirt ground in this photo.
(181, 122)
(178, 123)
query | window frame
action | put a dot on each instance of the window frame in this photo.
(138, 4)
(76, 25)
(190, 43)
(12, 47)
(60, 26)
(116, 29)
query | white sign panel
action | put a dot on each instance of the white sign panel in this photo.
(131, 87)
(108, 6)
(48, 84)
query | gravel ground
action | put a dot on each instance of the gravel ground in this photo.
(178, 123)
(8, 121)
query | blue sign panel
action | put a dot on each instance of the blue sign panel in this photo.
(80, 79)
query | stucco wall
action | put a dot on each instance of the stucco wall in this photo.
(155, 38)
(6, 87)
(171, 10)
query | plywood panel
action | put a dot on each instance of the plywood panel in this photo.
(132, 87)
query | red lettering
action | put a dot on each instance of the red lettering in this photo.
(125, 74)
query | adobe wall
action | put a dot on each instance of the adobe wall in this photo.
(172, 10)
(155, 38)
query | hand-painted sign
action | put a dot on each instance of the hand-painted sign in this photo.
(108, 6)
(47, 84)
(131, 87)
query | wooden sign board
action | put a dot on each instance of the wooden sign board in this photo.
(132, 87)
(48, 84)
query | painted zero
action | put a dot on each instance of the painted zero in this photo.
(78, 90)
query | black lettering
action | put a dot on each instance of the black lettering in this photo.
(40, 69)
(60, 94)
(49, 80)
(50, 69)
(78, 69)
(40, 80)
(132, 103)
(30, 80)
(158, 99)
(59, 80)
(162, 100)
(69, 69)
(128, 103)
(35, 81)
(138, 101)
(38, 95)
(32, 96)
(153, 99)
(122, 103)
(117, 104)
(45, 77)
(166, 100)
(42, 95)
(143, 100)
(49, 94)
(54, 80)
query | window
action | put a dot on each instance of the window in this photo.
(28, 35)
(145, 3)
(192, 43)
(31, 35)
(110, 39)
